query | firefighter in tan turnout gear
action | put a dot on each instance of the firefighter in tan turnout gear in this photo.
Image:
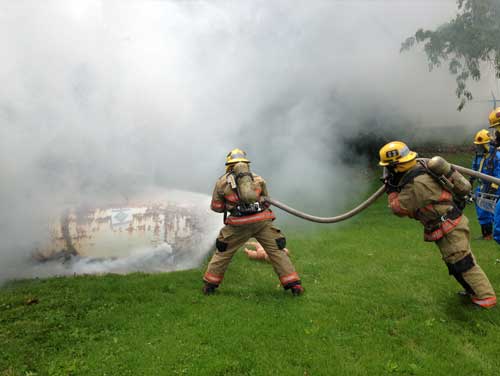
(414, 191)
(239, 193)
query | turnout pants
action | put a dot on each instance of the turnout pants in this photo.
(456, 252)
(232, 237)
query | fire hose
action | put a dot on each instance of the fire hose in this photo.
(370, 200)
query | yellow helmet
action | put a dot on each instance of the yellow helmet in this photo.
(482, 137)
(235, 156)
(395, 152)
(494, 117)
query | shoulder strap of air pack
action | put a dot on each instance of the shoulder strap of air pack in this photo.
(408, 178)
(455, 200)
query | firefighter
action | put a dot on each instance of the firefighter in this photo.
(415, 193)
(246, 220)
(494, 120)
(487, 161)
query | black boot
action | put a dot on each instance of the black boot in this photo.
(487, 230)
(297, 290)
(295, 287)
(209, 288)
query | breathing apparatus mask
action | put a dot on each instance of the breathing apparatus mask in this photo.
(482, 148)
(496, 137)
(391, 177)
(494, 133)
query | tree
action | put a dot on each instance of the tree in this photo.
(466, 42)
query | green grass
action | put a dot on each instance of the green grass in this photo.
(378, 301)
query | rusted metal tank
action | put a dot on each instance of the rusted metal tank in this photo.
(179, 222)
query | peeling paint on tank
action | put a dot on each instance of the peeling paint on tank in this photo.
(114, 231)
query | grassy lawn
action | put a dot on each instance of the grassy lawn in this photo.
(378, 301)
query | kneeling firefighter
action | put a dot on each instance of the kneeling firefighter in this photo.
(240, 193)
(434, 194)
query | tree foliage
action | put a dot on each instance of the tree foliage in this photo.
(466, 42)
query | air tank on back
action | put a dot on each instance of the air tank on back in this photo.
(451, 178)
(244, 180)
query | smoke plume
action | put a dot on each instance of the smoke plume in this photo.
(100, 99)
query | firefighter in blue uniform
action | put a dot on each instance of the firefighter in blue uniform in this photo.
(487, 161)
(494, 120)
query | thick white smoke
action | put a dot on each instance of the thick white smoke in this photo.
(100, 98)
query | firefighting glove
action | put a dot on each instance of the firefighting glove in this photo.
(390, 189)
(265, 204)
(460, 203)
